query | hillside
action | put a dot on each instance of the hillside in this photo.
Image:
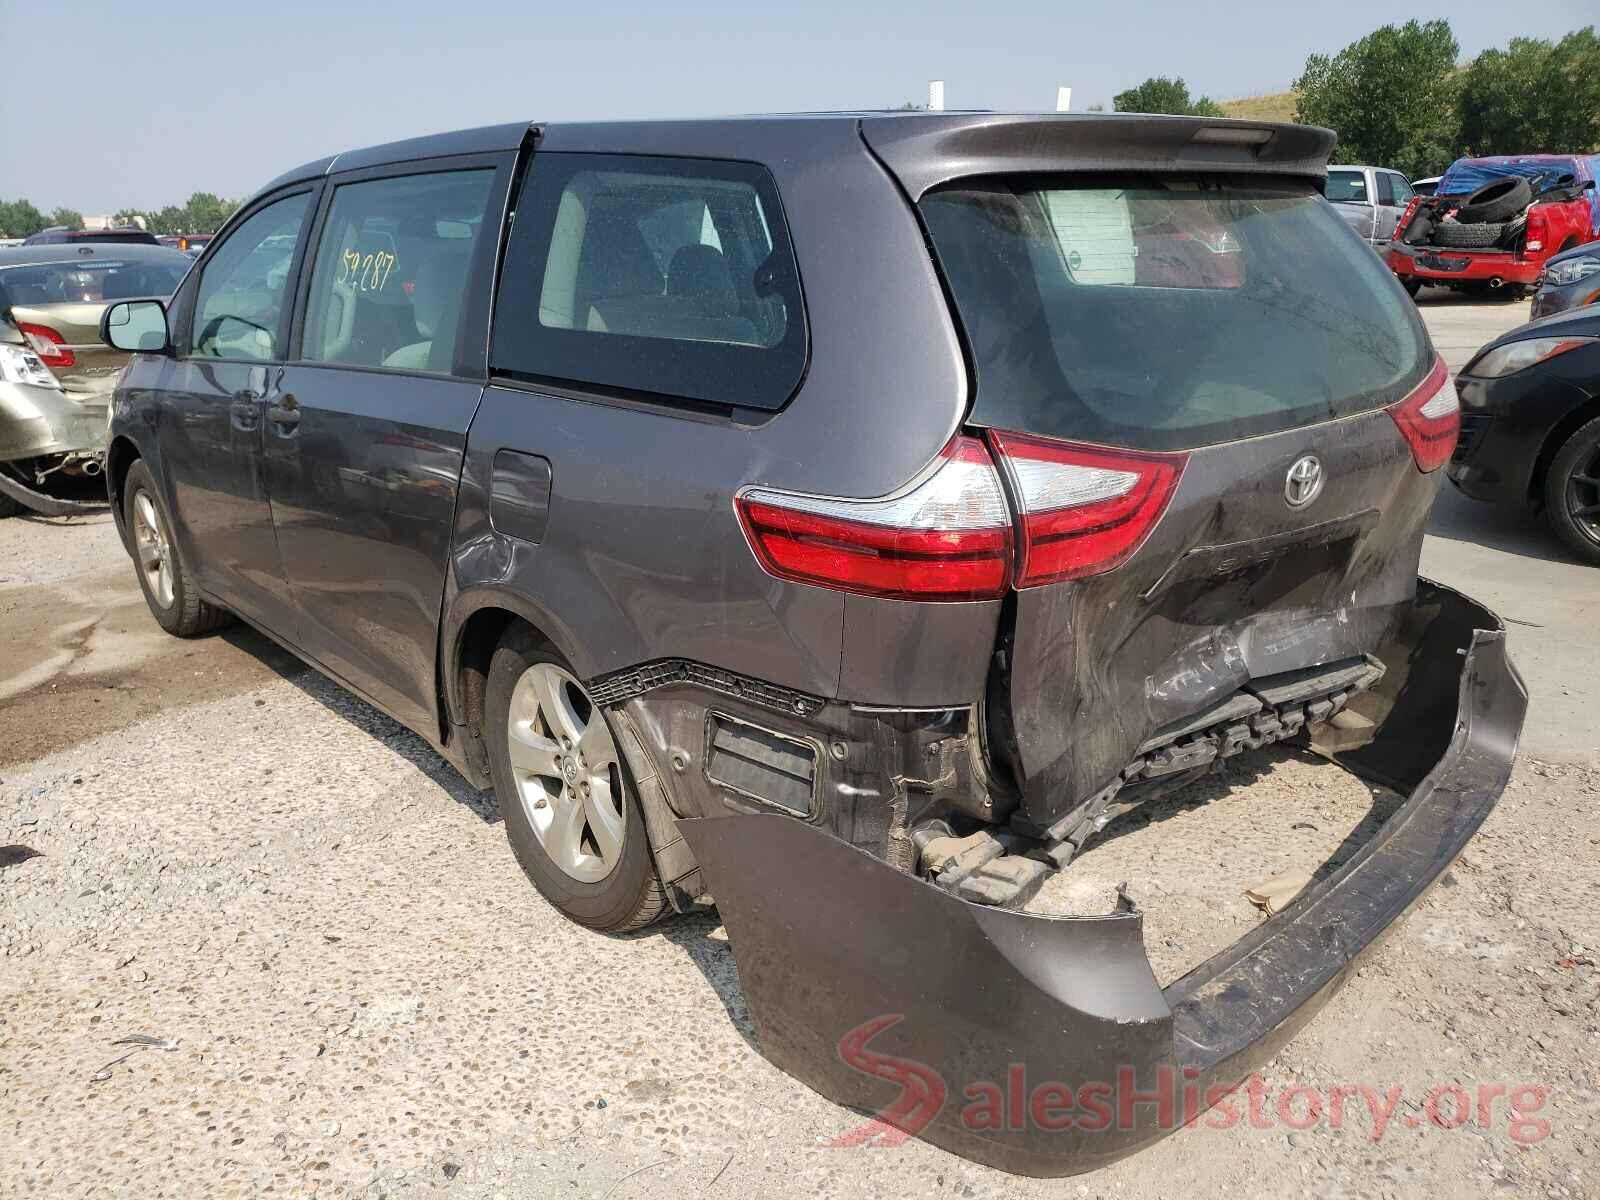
(1277, 106)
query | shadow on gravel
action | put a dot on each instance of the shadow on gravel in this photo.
(365, 717)
(712, 956)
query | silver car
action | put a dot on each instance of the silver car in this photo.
(1370, 199)
(56, 375)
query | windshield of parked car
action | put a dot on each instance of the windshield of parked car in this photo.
(96, 281)
(1347, 187)
(1169, 314)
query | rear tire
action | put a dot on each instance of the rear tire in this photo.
(167, 585)
(587, 852)
(1572, 493)
(1464, 235)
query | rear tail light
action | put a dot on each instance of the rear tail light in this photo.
(49, 345)
(1430, 418)
(946, 537)
(1405, 217)
(1533, 234)
(1085, 509)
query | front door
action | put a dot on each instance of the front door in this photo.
(210, 438)
(365, 433)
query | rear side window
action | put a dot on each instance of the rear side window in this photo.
(1347, 186)
(392, 270)
(1167, 315)
(658, 275)
(243, 298)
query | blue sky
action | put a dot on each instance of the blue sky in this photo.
(140, 103)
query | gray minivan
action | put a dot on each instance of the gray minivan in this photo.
(844, 518)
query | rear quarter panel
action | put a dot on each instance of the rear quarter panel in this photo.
(643, 557)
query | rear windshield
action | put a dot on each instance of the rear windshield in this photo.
(91, 281)
(1169, 314)
(1347, 186)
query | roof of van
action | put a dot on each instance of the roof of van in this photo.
(921, 147)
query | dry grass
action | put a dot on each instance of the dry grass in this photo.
(1277, 106)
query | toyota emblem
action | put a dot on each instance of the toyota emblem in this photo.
(1304, 481)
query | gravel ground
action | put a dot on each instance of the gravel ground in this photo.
(256, 939)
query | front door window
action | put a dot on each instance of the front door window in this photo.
(241, 311)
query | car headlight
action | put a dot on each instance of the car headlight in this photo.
(19, 364)
(1518, 356)
(1571, 270)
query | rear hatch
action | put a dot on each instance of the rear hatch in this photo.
(1203, 392)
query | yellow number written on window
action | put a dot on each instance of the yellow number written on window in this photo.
(366, 272)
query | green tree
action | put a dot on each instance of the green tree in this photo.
(1163, 95)
(168, 220)
(70, 217)
(205, 213)
(19, 218)
(1533, 97)
(1391, 97)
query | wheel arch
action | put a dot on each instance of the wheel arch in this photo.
(475, 624)
(1553, 441)
(121, 454)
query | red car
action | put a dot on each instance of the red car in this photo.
(1493, 222)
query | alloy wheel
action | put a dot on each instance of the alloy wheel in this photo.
(1583, 493)
(153, 548)
(564, 765)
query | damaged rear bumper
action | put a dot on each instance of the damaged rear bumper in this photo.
(891, 996)
(1450, 265)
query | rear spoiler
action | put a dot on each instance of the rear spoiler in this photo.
(925, 151)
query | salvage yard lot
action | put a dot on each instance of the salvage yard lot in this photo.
(338, 981)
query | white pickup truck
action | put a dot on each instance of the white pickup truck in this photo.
(1370, 199)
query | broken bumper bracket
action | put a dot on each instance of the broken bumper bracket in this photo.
(949, 1019)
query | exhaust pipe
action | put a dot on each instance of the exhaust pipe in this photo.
(1495, 282)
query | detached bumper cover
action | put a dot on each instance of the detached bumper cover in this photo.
(951, 1020)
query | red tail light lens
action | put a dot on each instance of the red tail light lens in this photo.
(49, 345)
(1430, 418)
(1086, 509)
(1533, 234)
(1405, 217)
(947, 537)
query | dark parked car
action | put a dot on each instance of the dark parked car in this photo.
(846, 517)
(1569, 280)
(63, 235)
(1530, 425)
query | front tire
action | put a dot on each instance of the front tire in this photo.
(570, 810)
(167, 585)
(1572, 493)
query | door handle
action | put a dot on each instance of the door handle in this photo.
(246, 411)
(284, 415)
